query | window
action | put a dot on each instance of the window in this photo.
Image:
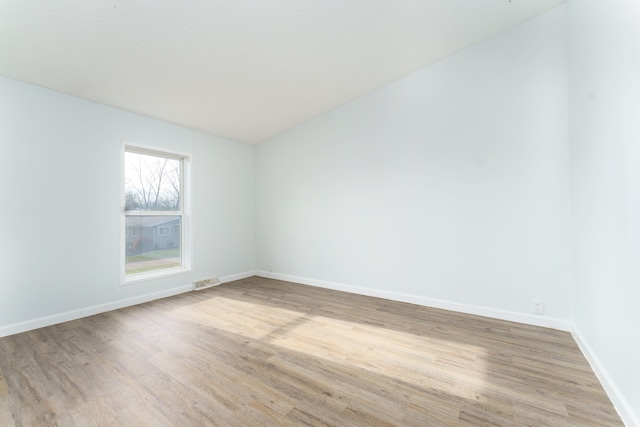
(154, 213)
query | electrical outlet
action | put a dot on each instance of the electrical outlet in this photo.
(538, 307)
(271, 268)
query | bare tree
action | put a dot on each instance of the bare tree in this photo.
(170, 200)
(151, 183)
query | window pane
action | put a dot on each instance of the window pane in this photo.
(152, 243)
(151, 183)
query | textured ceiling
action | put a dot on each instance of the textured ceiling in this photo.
(242, 69)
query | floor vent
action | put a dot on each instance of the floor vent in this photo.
(206, 283)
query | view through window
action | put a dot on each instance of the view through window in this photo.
(154, 217)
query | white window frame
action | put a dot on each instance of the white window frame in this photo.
(183, 213)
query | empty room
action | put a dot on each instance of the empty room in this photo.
(320, 213)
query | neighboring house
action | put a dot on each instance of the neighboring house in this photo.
(146, 233)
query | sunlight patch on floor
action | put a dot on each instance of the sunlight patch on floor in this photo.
(407, 357)
(239, 317)
(425, 361)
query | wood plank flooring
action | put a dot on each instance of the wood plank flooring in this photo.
(260, 352)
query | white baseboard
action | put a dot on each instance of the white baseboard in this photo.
(624, 408)
(238, 276)
(528, 319)
(42, 322)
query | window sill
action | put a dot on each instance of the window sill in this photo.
(154, 275)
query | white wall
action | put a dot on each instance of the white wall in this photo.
(604, 105)
(60, 243)
(451, 183)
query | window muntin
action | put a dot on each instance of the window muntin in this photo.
(154, 213)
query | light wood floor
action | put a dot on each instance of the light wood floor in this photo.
(261, 352)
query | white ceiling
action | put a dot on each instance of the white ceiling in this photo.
(242, 69)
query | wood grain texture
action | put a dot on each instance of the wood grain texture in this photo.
(261, 352)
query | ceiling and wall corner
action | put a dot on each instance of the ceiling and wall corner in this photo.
(245, 70)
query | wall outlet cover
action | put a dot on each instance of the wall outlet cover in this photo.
(537, 307)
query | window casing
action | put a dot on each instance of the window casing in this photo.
(154, 215)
